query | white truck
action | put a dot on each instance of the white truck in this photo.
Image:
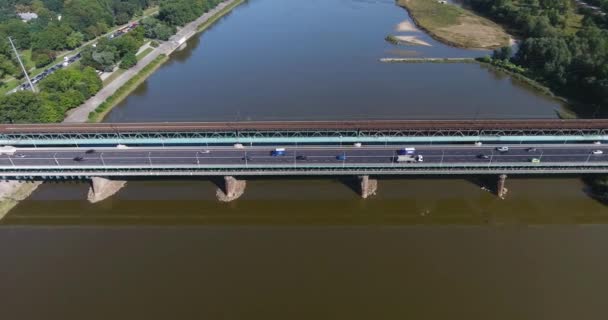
(409, 158)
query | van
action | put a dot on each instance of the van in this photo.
(406, 151)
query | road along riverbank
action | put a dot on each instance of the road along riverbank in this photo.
(11, 192)
(454, 25)
(81, 114)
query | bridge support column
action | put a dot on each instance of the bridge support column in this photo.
(501, 191)
(103, 188)
(233, 189)
(368, 186)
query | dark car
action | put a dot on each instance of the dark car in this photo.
(90, 151)
(531, 149)
(341, 157)
(78, 158)
(483, 156)
(301, 157)
(246, 158)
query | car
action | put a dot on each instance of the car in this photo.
(597, 152)
(238, 146)
(121, 146)
(341, 157)
(502, 149)
(531, 149)
(535, 160)
(419, 158)
(301, 157)
(20, 155)
(78, 158)
(90, 151)
(597, 142)
(478, 143)
(483, 156)
(357, 144)
(277, 152)
(246, 158)
(205, 151)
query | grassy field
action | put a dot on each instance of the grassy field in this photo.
(8, 85)
(113, 76)
(456, 26)
(144, 53)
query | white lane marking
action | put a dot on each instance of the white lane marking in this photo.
(324, 148)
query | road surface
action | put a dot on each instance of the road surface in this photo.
(201, 156)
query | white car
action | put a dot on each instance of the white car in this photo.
(502, 149)
(122, 146)
(8, 150)
(597, 152)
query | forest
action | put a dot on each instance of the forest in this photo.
(61, 26)
(571, 59)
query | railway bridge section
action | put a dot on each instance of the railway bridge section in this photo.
(108, 154)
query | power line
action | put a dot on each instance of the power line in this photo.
(21, 64)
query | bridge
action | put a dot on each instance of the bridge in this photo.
(109, 153)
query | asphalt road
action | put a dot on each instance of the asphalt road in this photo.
(314, 155)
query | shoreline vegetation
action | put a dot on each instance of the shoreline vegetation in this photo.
(13, 193)
(119, 95)
(455, 26)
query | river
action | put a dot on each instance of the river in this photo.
(310, 247)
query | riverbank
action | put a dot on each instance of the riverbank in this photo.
(102, 110)
(537, 86)
(428, 60)
(455, 26)
(81, 114)
(117, 90)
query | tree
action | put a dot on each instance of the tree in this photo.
(26, 107)
(503, 53)
(549, 57)
(88, 16)
(128, 61)
(42, 58)
(74, 40)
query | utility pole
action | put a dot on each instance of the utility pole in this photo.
(22, 66)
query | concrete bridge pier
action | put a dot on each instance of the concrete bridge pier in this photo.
(368, 186)
(233, 189)
(501, 190)
(103, 188)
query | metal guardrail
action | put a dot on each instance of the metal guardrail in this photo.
(51, 172)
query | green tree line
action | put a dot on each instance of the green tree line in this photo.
(572, 64)
(61, 25)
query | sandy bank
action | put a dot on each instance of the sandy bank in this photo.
(455, 26)
(412, 40)
(406, 26)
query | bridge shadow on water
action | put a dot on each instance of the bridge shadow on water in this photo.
(315, 200)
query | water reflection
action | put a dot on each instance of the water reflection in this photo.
(270, 60)
(317, 201)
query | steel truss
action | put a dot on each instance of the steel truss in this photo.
(286, 135)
